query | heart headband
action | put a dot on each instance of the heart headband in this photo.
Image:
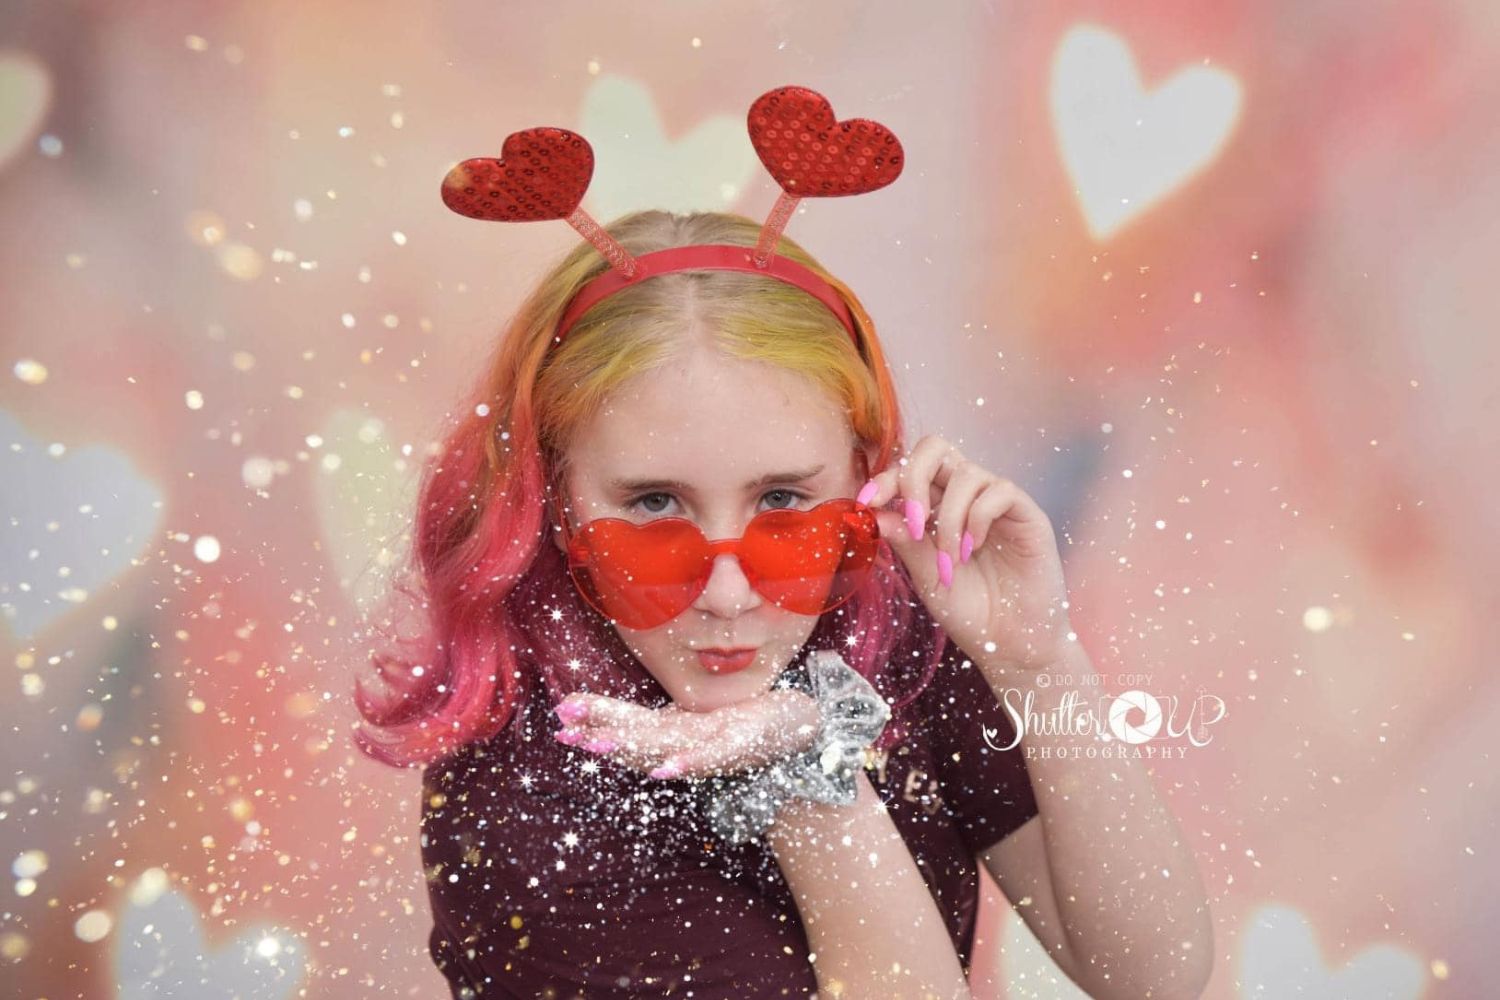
(542, 174)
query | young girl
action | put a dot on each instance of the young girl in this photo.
(569, 735)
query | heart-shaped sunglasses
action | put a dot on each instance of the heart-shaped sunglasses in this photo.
(644, 575)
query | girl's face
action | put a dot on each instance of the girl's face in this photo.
(715, 440)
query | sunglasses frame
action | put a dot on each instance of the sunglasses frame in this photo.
(578, 563)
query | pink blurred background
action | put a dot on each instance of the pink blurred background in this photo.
(1211, 281)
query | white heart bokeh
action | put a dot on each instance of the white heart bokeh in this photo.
(637, 166)
(161, 951)
(75, 520)
(1280, 957)
(1123, 148)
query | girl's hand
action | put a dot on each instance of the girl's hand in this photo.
(986, 566)
(671, 742)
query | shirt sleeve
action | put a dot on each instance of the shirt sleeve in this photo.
(988, 790)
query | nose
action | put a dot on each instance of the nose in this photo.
(728, 592)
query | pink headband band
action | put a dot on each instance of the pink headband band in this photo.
(709, 257)
(544, 172)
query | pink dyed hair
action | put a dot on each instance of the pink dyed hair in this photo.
(496, 609)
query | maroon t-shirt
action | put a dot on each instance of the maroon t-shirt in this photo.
(556, 872)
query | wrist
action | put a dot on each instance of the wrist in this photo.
(802, 821)
(804, 717)
(1064, 652)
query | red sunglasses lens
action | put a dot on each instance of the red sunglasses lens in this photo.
(811, 561)
(641, 575)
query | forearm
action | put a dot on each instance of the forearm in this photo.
(871, 922)
(1127, 887)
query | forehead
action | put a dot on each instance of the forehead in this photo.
(705, 417)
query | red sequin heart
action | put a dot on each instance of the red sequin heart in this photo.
(812, 155)
(542, 173)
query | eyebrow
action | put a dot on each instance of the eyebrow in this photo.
(633, 485)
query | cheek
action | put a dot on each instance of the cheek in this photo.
(657, 649)
(791, 631)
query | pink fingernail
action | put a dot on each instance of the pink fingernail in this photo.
(670, 769)
(568, 736)
(600, 746)
(867, 492)
(966, 547)
(571, 711)
(916, 519)
(945, 568)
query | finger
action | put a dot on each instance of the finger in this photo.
(643, 749)
(575, 726)
(591, 720)
(918, 556)
(622, 754)
(887, 482)
(880, 488)
(583, 735)
(1003, 499)
(918, 480)
(965, 483)
(989, 505)
(586, 710)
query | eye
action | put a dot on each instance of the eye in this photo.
(789, 496)
(651, 503)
